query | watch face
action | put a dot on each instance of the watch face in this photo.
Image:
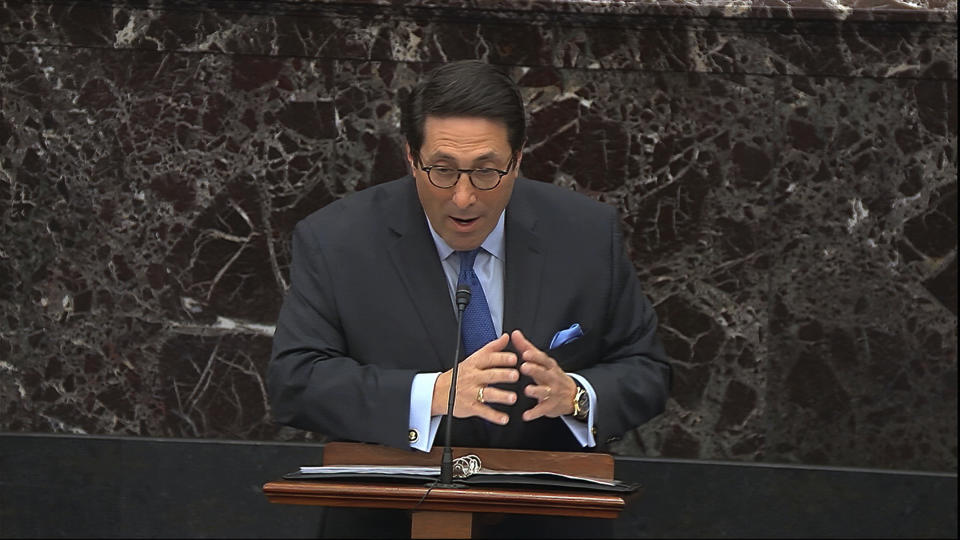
(583, 404)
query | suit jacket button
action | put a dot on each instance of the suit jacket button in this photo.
(412, 436)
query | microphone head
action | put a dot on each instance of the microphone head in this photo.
(463, 296)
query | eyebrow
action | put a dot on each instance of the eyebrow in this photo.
(489, 156)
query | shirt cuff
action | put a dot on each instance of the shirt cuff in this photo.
(423, 427)
(583, 431)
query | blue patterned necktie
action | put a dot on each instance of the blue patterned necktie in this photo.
(477, 329)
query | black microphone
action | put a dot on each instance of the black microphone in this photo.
(446, 462)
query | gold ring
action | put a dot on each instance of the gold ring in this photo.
(546, 397)
(480, 394)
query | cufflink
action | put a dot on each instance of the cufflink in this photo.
(412, 436)
(594, 431)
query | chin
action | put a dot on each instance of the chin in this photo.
(464, 244)
(465, 247)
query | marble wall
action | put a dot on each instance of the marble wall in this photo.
(786, 173)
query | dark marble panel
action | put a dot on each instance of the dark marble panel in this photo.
(829, 39)
(858, 344)
(692, 192)
(160, 262)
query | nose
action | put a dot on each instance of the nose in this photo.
(464, 194)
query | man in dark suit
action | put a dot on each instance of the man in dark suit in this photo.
(561, 349)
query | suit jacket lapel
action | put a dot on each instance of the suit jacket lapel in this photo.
(524, 265)
(521, 298)
(415, 258)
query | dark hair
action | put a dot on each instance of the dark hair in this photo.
(464, 88)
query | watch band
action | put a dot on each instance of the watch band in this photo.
(581, 404)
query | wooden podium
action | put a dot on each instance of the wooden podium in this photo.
(449, 513)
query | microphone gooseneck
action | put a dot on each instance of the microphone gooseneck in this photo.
(446, 461)
(463, 298)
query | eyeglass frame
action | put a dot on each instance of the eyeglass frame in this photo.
(468, 172)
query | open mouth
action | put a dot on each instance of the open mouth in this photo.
(463, 221)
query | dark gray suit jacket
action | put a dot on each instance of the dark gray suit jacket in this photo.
(368, 308)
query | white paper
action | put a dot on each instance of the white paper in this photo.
(434, 471)
(368, 469)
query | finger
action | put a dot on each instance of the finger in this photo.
(493, 360)
(520, 342)
(528, 351)
(468, 404)
(535, 371)
(540, 392)
(551, 376)
(533, 413)
(538, 357)
(490, 414)
(496, 345)
(498, 375)
(493, 394)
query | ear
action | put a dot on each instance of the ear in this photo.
(519, 159)
(409, 156)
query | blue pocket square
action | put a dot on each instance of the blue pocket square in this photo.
(566, 336)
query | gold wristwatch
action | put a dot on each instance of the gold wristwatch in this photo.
(581, 404)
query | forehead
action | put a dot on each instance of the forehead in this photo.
(464, 137)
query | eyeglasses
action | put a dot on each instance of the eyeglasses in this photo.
(483, 179)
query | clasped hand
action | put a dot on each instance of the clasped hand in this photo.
(491, 364)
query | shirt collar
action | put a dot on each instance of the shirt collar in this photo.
(494, 243)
